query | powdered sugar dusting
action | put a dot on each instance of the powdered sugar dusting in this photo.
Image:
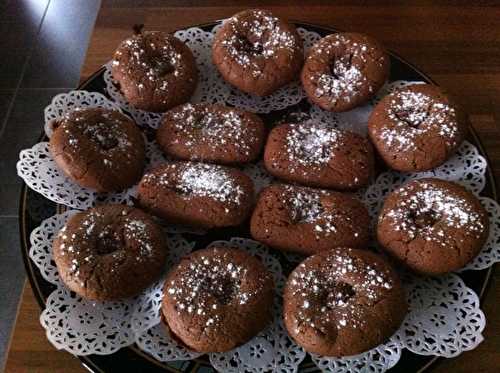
(262, 38)
(345, 77)
(430, 211)
(329, 297)
(414, 115)
(135, 229)
(346, 81)
(199, 179)
(214, 128)
(208, 283)
(209, 181)
(311, 144)
(306, 207)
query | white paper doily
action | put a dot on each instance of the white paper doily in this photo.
(86, 327)
(259, 175)
(80, 326)
(444, 319)
(490, 253)
(41, 245)
(378, 359)
(268, 351)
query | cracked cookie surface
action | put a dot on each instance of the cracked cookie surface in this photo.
(98, 148)
(155, 71)
(110, 252)
(318, 155)
(342, 302)
(432, 226)
(307, 221)
(211, 133)
(257, 52)
(217, 299)
(416, 128)
(197, 194)
(344, 70)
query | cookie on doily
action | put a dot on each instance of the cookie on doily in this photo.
(344, 70)
(98, 148)
(155, 70)
(197, 194)
(343, 302)
(110, 252)
(306, 220)
(432, 226)
(257, 52)
(217, 299)
(211, 133)
(318, 155)
(416, 128)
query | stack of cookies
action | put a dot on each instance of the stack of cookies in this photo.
(343, 299)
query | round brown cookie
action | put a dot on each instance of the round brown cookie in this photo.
(307, 221)
(98, 148)
(217, 299)
(155, 71)
(211, 133)
(433, 226)
(342, 302)
(257, 52)
(110, 252)
(318, 155)
(197, 194)
(416, 128)
(344, 70)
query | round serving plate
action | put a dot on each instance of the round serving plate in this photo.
(34, 208)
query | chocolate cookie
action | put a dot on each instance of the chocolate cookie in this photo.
(197, 194)
(211, 133)
(344, 70)
(343, 302)
(257, 52)
(416, 128)
(433, 226)
(307, 221)
(98, 148)
(110, 252)
(316, 154)
(155, 71)
(217, 299)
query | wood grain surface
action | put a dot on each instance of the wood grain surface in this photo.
(458, 46)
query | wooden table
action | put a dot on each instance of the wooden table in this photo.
(459, 47)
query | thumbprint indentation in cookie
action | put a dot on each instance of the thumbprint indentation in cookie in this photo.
(221, 288)
(423, 219)
(102, 135)
(109, 241)
(338, 295)
(161, 67)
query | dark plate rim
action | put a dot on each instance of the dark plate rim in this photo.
(24, 235)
